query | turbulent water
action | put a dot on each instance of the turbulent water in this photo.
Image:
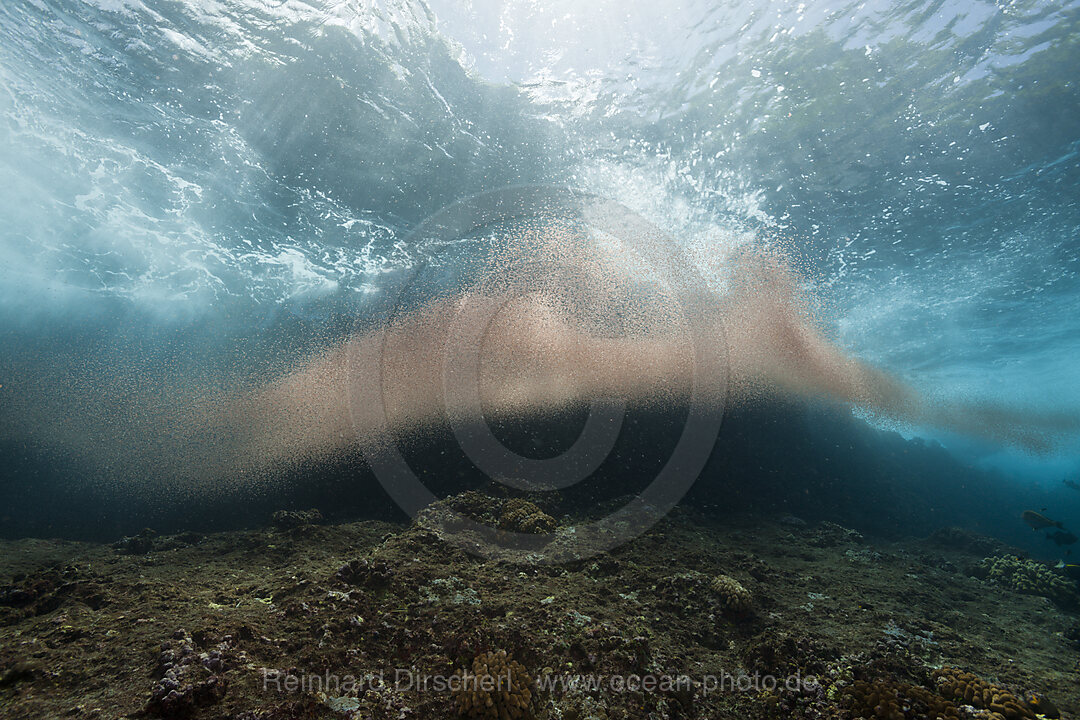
(197, 193)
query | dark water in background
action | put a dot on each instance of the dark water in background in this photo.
(213, 187)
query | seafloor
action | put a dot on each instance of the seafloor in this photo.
(214, 626)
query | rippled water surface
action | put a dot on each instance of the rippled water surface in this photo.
(216, 166)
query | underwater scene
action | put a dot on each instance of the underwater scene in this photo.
(540, 359)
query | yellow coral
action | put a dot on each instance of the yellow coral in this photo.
(734, 596)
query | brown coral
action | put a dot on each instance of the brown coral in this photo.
(523, 516)
(890, 700)
(497, 688)
(734, 596)
(886, 700)
(969, 689)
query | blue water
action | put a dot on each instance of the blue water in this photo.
(207, 168)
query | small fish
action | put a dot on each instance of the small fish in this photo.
(1062, 537)
(1042, 706)
(1067, 483)
(1069, 569)
(1038, 521)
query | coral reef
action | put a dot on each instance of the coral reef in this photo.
(955, 689)
(890, 700)
(735, 597)
(525, 517)
(188, 679)
(497, 688)
(1029, 577)
(514, 514)
(969, 689)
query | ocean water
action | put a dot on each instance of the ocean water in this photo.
(205, 200)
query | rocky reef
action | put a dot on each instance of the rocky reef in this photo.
(751, 618)
(296, 518)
